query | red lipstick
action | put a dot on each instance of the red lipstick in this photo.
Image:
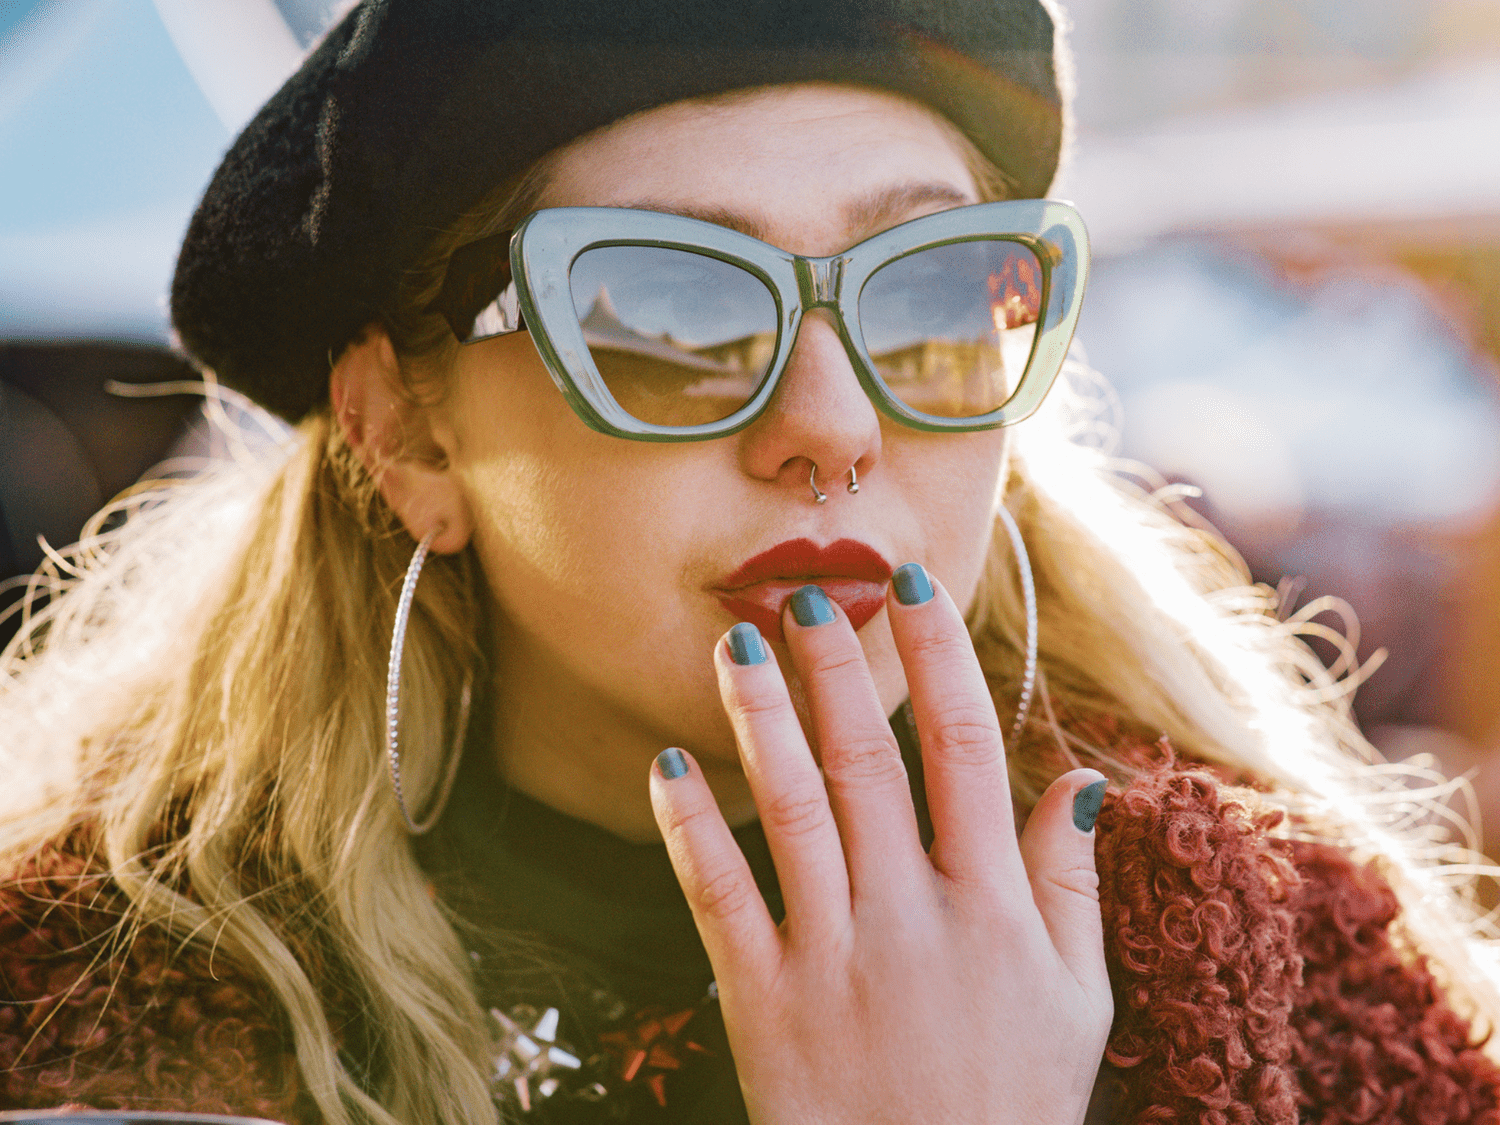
(851, 573)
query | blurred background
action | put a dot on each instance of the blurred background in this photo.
(1296, 213)
(1296, 209)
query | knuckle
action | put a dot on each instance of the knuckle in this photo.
(940, 647)
(835, 662)
(723, 896)
(1077, 878)
(795, 814)
(756, 706)
(865, 759)
(968, 737)
(681, 822)
(998, 924)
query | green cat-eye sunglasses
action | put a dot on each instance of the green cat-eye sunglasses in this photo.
(658, 327)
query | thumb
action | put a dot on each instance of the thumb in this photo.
(1057, 847)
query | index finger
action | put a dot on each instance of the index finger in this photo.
(963, 754)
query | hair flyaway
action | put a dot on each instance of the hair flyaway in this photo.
(688, 650)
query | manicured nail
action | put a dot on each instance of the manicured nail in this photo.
(810, 606)
(745, 645)
(913, 587)
(1086, 805)
(671, 763)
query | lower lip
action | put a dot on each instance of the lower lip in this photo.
(761, 604)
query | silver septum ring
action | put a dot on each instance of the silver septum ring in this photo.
(819, 496)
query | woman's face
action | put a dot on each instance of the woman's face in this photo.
(610, 561)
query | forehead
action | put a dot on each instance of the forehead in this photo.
(809, 168)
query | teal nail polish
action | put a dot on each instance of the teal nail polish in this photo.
(1086, 805)
(745, 644)
(810, 606)
(913, 587)
(671, 763)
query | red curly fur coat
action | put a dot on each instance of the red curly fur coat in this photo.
(1256, 983)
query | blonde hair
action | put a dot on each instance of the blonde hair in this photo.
(203, 694)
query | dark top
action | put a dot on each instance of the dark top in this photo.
(561, 913)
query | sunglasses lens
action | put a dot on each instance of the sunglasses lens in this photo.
(680, 339)
(949, 329)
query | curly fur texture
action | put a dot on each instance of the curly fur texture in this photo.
(88, 1019)
(1256, 981)
(1375, 1040)
(1202, 953)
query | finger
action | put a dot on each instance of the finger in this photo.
(731, 915)
(1057, 847)
(785, 782)
(866, 781)
(963, 756)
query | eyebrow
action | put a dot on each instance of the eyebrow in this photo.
(863, 216)
(743, 221)
(883, 207)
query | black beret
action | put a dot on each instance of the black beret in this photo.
(409, 111)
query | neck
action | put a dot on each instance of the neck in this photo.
(559, 742)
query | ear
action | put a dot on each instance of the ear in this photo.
(393, 437)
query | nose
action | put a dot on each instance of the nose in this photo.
(819, 415)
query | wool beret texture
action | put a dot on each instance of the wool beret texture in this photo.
(409, 111)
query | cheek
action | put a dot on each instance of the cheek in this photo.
(556, 505)
(956, 487)
(586, 541)
(981, 495)
(506, 416)
(943, 512)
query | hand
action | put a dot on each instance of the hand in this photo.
(967, 985)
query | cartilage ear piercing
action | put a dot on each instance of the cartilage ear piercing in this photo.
(853, 480)
(818, 495)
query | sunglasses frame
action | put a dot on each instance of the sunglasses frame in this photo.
(545, 245)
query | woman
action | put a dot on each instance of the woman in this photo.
(749, 248)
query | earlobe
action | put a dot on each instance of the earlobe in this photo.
(392, 436)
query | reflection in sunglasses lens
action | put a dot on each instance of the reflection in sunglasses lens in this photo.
(680, 339)
(950, 329)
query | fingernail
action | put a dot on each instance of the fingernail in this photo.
(745, 645)
(1086, 805)
(671, 763)
(810, 606)
(913, 587)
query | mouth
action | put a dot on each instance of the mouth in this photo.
(849, 572)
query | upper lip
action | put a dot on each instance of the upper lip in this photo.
(802, 558)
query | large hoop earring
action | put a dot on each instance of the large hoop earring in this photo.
(393, 703)
(1028, 592)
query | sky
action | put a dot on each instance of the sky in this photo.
(105, 144)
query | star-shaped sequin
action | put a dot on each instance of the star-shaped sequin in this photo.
(529, 1058)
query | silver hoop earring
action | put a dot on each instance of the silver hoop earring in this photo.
(1028, 592)
(393, 703)
(853, 481)
(819, 496)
